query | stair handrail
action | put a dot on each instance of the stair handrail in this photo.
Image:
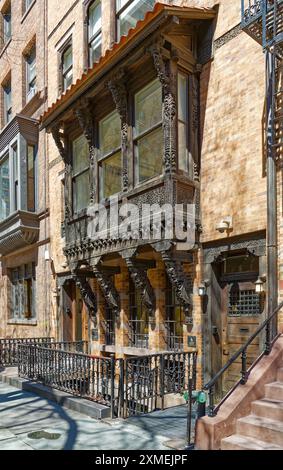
(212, 410)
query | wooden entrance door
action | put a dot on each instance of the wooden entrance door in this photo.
(243, 308)
(75, 324)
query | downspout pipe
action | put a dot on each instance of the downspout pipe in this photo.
(271, 173)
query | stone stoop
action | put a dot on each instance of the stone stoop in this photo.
(263, 428)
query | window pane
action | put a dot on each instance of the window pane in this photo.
(182, 147)
(95, 50)
(135, 11)
(149, 154)
(15, 176)
(68, 79)
(110, 176)
(81, 191)
(7, 26)
(80, 154)
(31, 178)
(7, 103)
(110, 133)
(148, 107)
(182, 97)
(94, 18)
(4, 189)
(67, 59)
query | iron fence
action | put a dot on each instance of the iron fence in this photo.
(128, 386)
(9, 348)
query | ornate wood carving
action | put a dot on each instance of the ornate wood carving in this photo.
(169, 108)
(57, 136)
(255, 247)
(87, 294)
(84, 114)
(108, 289)
(178, 280)
(141, 282)
(118, 89)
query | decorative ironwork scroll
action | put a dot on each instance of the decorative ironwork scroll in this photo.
(118, 89)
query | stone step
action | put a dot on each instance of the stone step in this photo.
(274, 390)
(265, 429)
(267, 408)
(280, 375)
(239, 442)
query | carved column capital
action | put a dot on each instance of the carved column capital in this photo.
(87, 294)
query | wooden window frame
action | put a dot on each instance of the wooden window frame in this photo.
(74, 136)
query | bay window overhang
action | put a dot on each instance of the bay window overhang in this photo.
(19, 223)
(141, 80)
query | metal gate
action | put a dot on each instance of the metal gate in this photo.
(148, 379)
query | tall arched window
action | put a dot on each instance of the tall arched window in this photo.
(94, 32)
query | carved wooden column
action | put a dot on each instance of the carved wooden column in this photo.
(122, 323)
(84, 114)
(57, 132)
(166, 72)
(117, 86)
(157, 330)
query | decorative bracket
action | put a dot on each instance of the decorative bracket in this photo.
(87, 294)
(118, 89)
(107, 286)
(179, 281)
(57, 136)
(141, 282)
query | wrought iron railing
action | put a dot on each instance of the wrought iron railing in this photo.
(138, 333)
(90, 377)
(268, 326)
(69, 346)
(129, 387)
(9, 348)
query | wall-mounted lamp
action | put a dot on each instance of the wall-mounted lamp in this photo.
(225, 224)
(259, 285)
(202, 288)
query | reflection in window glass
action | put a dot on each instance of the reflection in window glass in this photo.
(67, 66)
(31, 178)
(183, 152)
(110, 175)
(148, 151)
(4, 189)
(128, 16)
(94, 32)
(110, 133)
(80, 173)
(148, 107)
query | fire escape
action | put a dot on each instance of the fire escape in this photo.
(263, 21)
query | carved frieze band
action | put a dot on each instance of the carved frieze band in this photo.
(178, 280)
(142, 283)
(108, 289)
(255, 247)
(169, 108)
(84, 114)
(118, 89)
(87, 294)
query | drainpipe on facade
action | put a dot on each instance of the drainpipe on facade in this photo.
(271, 175)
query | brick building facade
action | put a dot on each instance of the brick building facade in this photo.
(132, 298)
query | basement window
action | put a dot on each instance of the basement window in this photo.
(23, 292)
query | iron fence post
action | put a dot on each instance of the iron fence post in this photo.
(162, 382)
(244, 367)
(112, 391)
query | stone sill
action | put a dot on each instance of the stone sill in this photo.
(22, 321)
(27, 11)
(5, 47)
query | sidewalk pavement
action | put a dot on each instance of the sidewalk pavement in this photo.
(28, 422)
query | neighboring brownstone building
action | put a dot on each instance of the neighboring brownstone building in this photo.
(24, 218)
(186, 86)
